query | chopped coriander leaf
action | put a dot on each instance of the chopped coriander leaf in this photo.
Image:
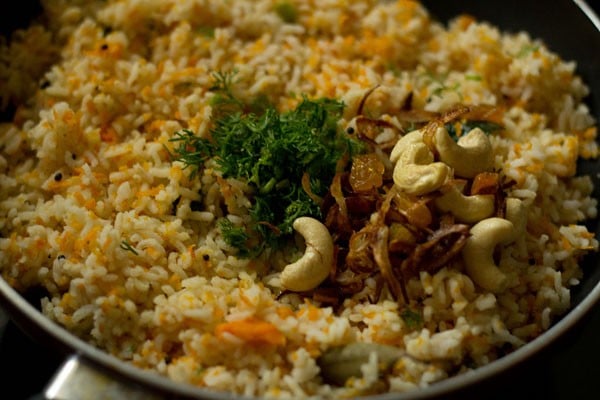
(207, 31)
(487, 127)
(125, 245)
(412, 318)
(286, 11)
(443, 88)
(456, 129)
(394, 68)
(473, 77)
(526, 50)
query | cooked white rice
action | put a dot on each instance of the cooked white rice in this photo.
(101, 88)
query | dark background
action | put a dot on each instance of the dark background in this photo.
(567, 369)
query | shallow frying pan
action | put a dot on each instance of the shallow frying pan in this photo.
(569, 27)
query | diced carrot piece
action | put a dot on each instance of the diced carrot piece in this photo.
(252, 331)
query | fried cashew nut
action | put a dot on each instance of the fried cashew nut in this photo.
(314, 266)
(478, 252)
(469, 209)
(469, 156)
(416, 173)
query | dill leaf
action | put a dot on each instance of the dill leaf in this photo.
(234, 236)
(192, 150)
(271, 151)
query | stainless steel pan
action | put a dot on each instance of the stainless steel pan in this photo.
(569, 27)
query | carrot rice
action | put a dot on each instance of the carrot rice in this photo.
(127, 244)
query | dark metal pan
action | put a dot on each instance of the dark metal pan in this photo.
(570, 28)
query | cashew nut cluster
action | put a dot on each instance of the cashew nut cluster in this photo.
(416, 171)
(479, 249)
(314, 266)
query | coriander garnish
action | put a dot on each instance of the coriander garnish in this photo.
(271, 151)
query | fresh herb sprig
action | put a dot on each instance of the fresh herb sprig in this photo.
(235, 236)
(271, 151)
(192, 150)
